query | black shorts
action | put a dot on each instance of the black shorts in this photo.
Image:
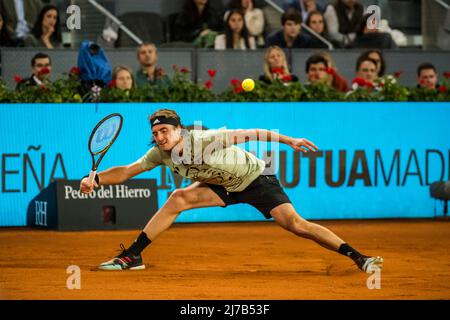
(264, 193)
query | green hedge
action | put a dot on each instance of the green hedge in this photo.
(184, 90)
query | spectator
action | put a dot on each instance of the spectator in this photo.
(377, 56)
(333, 78)
(427, 76)
(316, 22)
(316, 69)
(19, 17)
(254, 18)
(122, 78)
(149, 73)
(369, 35)
(5, 40)
(198, 23)
(46, 32)
(366, 69)
(276, 67)
(305, 7)
(41, 67)
(289, 36)
(236, 34)
(343, 18)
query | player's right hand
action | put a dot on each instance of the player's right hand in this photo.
(85, 187)
(303, 145)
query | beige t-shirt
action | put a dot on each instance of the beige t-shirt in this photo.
(209, 159)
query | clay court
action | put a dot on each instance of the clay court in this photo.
(231, 261)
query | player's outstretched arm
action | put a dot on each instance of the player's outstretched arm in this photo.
(243, 135)
(113, 175)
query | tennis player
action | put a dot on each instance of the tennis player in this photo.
(223, 176)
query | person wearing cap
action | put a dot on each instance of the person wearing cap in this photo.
(223, 175)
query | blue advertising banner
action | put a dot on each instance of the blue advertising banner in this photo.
(376, 160)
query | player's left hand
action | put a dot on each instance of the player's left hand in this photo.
(303, 145)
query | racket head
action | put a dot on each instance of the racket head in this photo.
(105, 133)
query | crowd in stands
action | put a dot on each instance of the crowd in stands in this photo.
(95, 70)
(242, 26)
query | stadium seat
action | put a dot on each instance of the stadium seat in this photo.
(410, 19)
(441, 190)
(148, 26)
(443, 40)
(170, 27)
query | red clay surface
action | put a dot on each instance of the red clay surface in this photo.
(231, 261)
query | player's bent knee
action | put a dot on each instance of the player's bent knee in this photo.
(181, 199)
(177, 198)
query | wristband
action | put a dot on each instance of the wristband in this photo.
(96, 178)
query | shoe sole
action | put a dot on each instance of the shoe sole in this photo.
(116, 267)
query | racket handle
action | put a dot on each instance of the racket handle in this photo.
(92, 176)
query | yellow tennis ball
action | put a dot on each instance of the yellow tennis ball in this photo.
(248, 85)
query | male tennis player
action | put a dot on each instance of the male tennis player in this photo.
(223, 175)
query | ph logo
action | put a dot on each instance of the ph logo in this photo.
(41, 213)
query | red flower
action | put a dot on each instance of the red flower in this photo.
(330, 71)
(112, 84)
(363, 83)
(212, 73)
(277, 70)
(184, 70)
(75, 70)
(235, 82)
(237, 86)
(286, 78)
(175, 67)
(447, 75)
(359, 81)
(442, 89)
(238, 89)
(44, 70)
(397, 74)
(208, 84)
(17, 79)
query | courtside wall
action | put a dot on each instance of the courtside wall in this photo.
(376, 160)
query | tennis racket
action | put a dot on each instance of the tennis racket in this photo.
(102, 138)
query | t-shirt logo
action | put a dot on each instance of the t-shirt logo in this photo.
(156, 121)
